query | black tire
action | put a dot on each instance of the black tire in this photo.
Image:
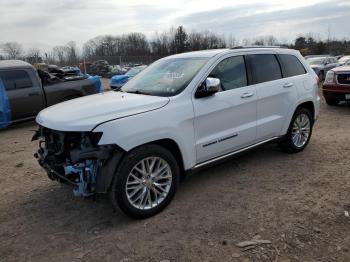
(332, 102)
(287, 143)
(118, 195)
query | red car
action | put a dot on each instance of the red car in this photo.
(336, 86)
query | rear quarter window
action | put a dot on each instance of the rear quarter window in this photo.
(291, 66)
(16, 79)
(264, 67)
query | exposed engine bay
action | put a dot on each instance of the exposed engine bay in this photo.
(77, 159)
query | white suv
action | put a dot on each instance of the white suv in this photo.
(181, 113)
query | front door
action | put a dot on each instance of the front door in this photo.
(226, 121)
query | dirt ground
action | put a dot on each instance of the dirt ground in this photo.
(295, 201)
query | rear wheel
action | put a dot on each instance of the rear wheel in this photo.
(145, 182)
(332, 102)
(299, 132)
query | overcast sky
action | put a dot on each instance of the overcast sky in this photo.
(45, 23)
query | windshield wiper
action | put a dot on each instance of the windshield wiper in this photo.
(139, 92)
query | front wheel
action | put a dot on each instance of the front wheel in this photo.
(145, 182)
(299, 132)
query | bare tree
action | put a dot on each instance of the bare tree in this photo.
(33, 52)
(58, 53)
(13, 50)
(71, 54)
(33, 55)
(181, 39)
(231, 41)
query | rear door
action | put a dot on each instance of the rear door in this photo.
(226, 121)
(24, 93)
(275, 95)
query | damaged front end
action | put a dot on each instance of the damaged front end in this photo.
(76, 158)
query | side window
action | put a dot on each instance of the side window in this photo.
(231, 72)
(265, 68)
(291, 66)
(16, 79)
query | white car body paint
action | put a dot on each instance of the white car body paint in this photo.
(203, 128)
(83, 114)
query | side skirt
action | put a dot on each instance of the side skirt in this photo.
(210, 161)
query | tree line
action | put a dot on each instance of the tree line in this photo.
(171, 41)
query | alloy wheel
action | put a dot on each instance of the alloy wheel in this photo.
(148, 183)
(301, 130)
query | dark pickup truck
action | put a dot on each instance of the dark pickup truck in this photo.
(25, 91)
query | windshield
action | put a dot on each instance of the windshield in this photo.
(316, 61)
(134, 71)
(167, 77)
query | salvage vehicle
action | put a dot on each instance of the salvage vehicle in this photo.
(181, 113)
(117, 81)
(28, 90)
(99, 67)
(321, 64)
(336, 87)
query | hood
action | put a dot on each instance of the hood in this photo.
(345, 68)
(83, 114)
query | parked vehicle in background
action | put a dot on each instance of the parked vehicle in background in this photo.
(338, 57)
(344, 60)
(71, 70)
(181, 113)
(29, 91)
(336, 87)
(99, 67)
(118, 81)
(116, 70)
(321, 64)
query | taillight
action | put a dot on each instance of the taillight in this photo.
(318, 81)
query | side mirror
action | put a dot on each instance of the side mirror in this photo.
(209, 87)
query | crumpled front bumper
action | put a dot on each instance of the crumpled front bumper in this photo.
(74, 158)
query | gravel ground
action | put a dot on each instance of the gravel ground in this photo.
(295, 202)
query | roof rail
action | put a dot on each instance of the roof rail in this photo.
(256, 46)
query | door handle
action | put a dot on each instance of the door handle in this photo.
(33, 94)
(287, 85)
(246, 95)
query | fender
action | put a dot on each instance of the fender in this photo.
(176, 119)
(291, 113)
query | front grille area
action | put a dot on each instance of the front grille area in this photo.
(344, 79)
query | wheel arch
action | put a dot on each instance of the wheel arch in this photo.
(172, 147)
(308, 104)
(119, 155)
